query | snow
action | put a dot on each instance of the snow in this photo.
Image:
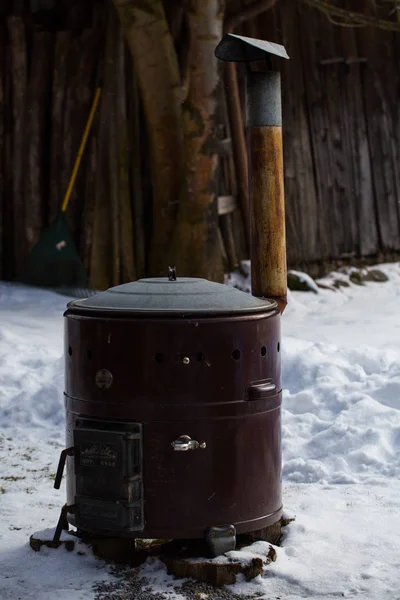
(341, 451)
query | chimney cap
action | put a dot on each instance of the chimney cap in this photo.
(238, 48)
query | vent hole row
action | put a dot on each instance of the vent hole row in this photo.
(200, 357)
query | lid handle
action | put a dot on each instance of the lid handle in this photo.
(172, 273)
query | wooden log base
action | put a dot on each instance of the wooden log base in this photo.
(222, 570)
(182, 558)
(271, 534)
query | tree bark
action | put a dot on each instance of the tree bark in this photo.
(157, 71)
(197, 250)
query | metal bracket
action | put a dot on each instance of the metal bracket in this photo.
(221, 539)
(171, 273)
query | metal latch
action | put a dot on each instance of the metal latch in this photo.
(184, 442)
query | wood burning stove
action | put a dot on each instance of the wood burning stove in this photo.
(173, 397)
(173, 385)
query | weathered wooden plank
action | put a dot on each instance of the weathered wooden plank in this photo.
(395, 43)
(86, 237)
(339, 146)
(366, 242)
(280, 24)
(81, 102)
(36, 123)
(7, 172)
(128, 271)
(303, 218)
(101, 263)
(58, 100)
(137, 150)
(70, 141)
(18, 56)
(3, 75)
(227, 202)
(111, 90)
(381, 125)
(319, 127)
(83, 201)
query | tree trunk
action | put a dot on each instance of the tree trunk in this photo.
(197, 249)
(157, 71)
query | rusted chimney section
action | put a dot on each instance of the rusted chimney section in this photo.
(264, 128)
(266, 191)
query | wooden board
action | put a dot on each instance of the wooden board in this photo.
(19, 75)
(379, 93)
(36, 128)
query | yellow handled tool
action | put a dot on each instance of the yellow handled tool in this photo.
(78, 159)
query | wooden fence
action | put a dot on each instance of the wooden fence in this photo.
(341, 134)
(341, 139)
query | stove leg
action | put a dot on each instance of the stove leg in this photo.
(62, 524)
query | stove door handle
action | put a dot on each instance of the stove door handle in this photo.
(261, 390)
(185, 442)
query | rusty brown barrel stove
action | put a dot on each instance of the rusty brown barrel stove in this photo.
(173, 385)
(155, 360)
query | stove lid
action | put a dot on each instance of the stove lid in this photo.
(183, 296)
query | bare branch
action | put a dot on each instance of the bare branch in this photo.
(351, 19)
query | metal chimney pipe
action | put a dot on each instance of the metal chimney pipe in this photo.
(266, 187)
(264, 128)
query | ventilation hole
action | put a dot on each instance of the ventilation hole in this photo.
(200, 357)
(236, 354)
(89, 354)
(263, 351)
(279, 346)
(70, 351)
(159, 357)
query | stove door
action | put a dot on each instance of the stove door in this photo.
(108, 471)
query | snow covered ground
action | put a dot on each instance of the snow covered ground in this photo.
(341, 452)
